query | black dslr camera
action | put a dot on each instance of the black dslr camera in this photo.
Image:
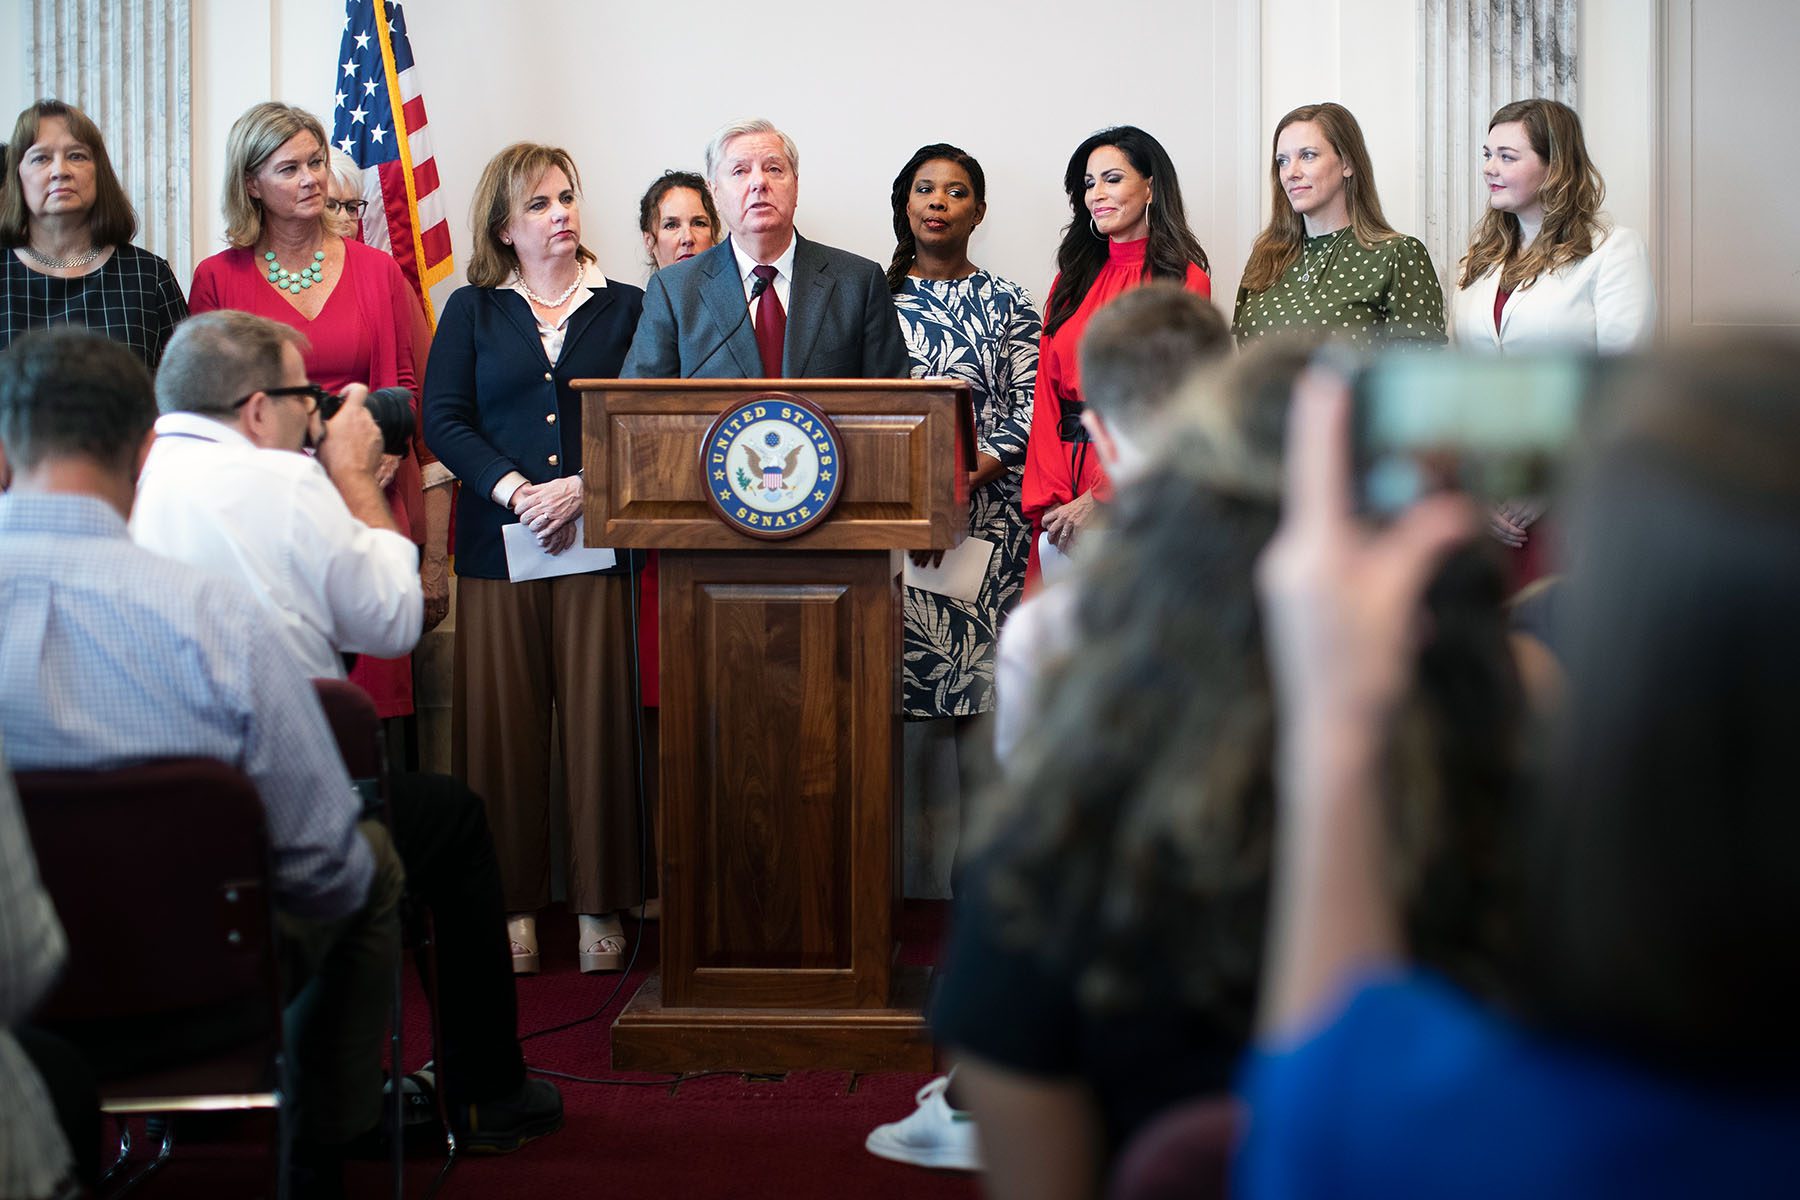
(392, 409)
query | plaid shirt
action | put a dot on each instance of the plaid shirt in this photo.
(132, 299)
(110, 655)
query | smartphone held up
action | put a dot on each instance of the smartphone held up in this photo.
(1496, 427)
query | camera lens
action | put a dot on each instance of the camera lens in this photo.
(392, 409)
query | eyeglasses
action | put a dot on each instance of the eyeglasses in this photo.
(311, 393)
(352, 207)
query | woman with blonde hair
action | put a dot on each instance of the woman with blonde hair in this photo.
(501, 413)
(1544, 269)
(1328, 261)
(355, 307)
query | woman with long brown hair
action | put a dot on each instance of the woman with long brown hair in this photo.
(1543, 268)
(1544, 271)
(66, 226)
(1328, 261)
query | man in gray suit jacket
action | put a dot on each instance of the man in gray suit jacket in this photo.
(708, 317)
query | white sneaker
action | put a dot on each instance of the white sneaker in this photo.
(935, 1135)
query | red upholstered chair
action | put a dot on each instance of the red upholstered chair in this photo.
(357, 727)
(161, 876)
(1185, 1154)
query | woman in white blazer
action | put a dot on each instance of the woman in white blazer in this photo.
(1543, 271)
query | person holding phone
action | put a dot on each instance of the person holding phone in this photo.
(1646, 1042)
(1328, 261)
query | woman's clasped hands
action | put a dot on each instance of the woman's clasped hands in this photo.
(549, 511)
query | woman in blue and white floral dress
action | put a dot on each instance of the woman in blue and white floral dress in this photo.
(959, 321)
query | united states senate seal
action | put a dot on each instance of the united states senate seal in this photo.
(773, 465)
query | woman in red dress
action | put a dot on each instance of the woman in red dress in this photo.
(1128, 228)
(356, 308)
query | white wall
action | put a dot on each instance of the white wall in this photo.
(630, 92)
(1360, 53)
(598, 78)
(1619, 103)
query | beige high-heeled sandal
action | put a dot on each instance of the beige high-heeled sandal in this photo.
(521, 932)
(602, 945)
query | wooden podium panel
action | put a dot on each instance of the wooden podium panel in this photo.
(779, 824)
(780, 725)
(905, 451)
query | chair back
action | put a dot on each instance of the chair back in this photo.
(1184, 1154)
(357, 727)
(161, 876)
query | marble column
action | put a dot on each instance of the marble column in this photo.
(1476, 56)
(126, 64)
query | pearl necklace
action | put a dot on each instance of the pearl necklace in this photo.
(293, 281)
(550, 304)
(1324, 259)
(62, 264)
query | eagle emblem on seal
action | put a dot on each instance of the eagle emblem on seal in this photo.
(770, 475)
(772, 463)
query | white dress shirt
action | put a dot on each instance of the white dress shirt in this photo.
(1604, 302)
(273, 520)
(784, 274)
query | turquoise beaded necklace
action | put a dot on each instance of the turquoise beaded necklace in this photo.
(294, 281)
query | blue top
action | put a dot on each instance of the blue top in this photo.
(1415, 1089)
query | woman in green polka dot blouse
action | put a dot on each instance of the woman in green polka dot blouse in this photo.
(1328, 262)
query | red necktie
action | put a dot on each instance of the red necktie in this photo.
(771, 324)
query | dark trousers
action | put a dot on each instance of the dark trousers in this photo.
(74, 1094)
(441, 832)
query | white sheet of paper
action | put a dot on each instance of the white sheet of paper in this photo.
(525, 559)
(960, 573)
(1052, 562)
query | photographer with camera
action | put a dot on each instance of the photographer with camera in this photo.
(228, 489)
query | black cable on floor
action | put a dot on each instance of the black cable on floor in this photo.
(673, 1079)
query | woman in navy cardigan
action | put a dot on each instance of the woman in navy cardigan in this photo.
(499, 413)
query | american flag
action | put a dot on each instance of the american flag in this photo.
(405, 215)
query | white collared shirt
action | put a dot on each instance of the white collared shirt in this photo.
(274, 521)
(784, 274)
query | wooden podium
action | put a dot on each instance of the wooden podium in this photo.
(780, 725)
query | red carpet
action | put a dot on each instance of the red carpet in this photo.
(797, 1137)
